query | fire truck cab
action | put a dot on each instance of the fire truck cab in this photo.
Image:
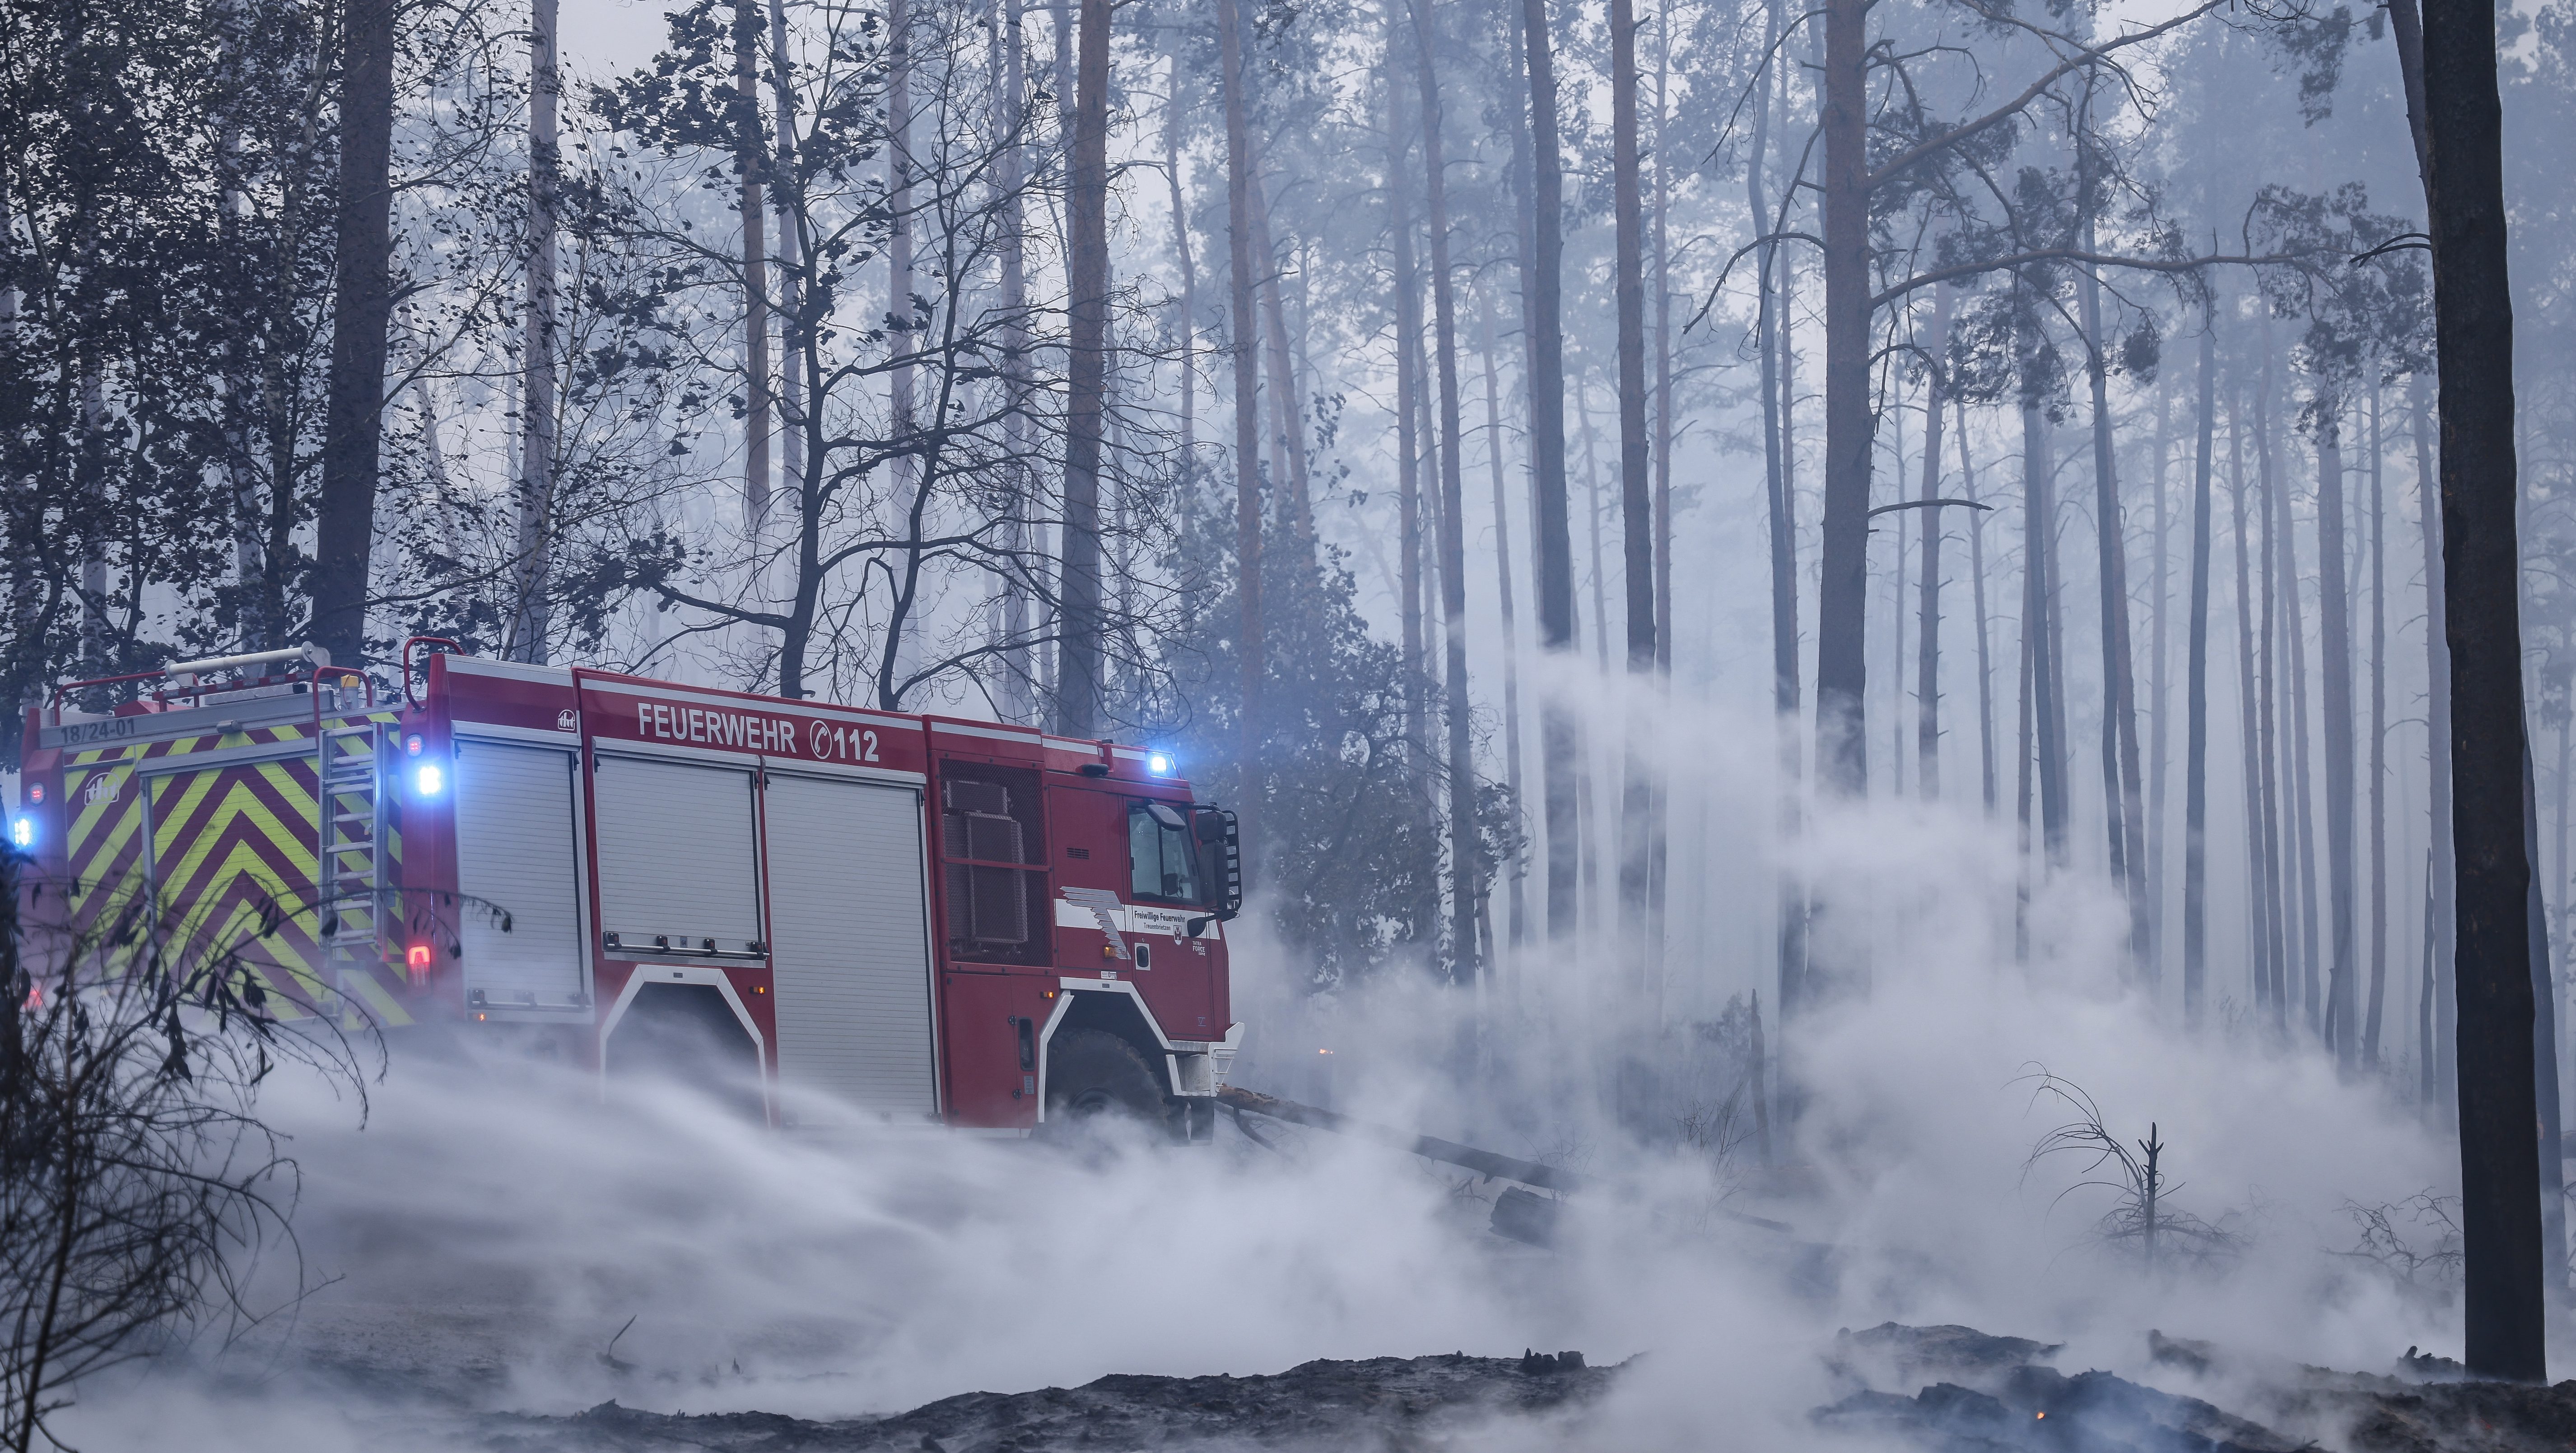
(838, 916)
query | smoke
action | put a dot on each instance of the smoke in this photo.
(497, 1237)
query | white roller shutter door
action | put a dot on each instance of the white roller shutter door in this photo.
(678, 854)
(517, 850)
(850, 950)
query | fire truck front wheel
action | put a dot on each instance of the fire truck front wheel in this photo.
(1092, 1074)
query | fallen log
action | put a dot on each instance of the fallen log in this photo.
(1429, 1147)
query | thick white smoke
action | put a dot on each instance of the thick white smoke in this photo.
(492, 1226)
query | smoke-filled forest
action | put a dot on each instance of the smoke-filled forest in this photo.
(1783, 599)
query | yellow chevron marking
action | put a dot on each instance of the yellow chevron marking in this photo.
(186, 873)
(380, 1002)
(115, 818)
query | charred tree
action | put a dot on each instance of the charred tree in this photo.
(536, 483)
(1541, 288)
(751, 160)
(1927, 668)
(1465, 891)
(353, 429)
(2459, 126)
(1078, 679)
(2335, 645)
(1517, 925)
(1636, 483)
(2195, 771)
(1247, 427)
(2122, 791)
(2378, 879)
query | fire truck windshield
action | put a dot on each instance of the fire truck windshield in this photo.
(1161, 862)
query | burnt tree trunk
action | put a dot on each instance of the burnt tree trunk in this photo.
(1927, 668)
(1842, 759)
(2122, 789)
(1541, 289)
(1078, 679)
(2195, 770)
(1977, 577)
(2258, 894)
(1247, 431)
(1465, 888)
(2378, 880)
(353, 427)
(2437, 717)
(1406, 306)
(2500, 1221)
(750, 150)
(2335, 645)
(1782, 513)
(1636, 482)
(1517, 924)
(2040, 627)
(536, 485)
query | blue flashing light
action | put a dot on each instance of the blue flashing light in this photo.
(22, 832)
(1159, 763)
(429, 779)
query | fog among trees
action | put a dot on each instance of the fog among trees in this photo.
(1449, 428)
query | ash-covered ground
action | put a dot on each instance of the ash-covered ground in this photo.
(1942, 1389)
(1384, 1402)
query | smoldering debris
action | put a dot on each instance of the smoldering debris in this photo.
(1988, 1394)
(2039, 1408)
(1411, 1403)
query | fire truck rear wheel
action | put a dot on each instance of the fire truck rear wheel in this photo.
(1092, 1074)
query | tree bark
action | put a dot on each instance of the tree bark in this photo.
(903, 340)
(2500, 1227)
(2343, 968)
(1636, 482)
(1927, 669)
(1287, 409)
(2254, 721)
(1518, 923)
(2378, 880)
(1247, 431)
(1541, 287)
(2437, 717)
(1020, 695)
(1977, 575)
(2277, 867)
(362, 311)
(2195, 771)
(1842, 758)
(1465, 888)
(751, 159)
(1782, 513)
(2040, 611)
(2123, 796)
(2302, 798)
(1078, 679)
(1407, 308)
(796, 437)
(532, 546)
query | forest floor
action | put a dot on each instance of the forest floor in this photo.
(1983, 1394)
(1381, 1403)
(1971, 1392)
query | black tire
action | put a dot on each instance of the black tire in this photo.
(1094, 1075)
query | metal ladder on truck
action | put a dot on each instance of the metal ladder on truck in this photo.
(352, 864)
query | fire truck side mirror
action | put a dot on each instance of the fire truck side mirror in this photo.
(1220, 859)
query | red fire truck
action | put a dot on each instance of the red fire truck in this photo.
(843, 916)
